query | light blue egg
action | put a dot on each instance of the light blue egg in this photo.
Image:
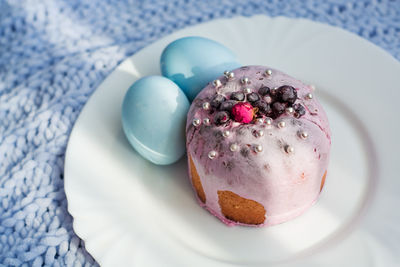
(153, 118)
(192, 62)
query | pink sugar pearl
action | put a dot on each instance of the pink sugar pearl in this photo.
(243, 112)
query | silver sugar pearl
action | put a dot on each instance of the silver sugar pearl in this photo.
(247, 90)
(196, 122)
(258, 148)
(229, 75)
(225, 133)
(268, 121)
(217, 83)
(206, 121)
(206, 106)
(289, 110)
(212, 154)
(244, 80)
(281, 124)
(309, 96)
(303, 135)
(289, 149)
(259, 121)
(259, 133)
(234, 147)
(268, 72)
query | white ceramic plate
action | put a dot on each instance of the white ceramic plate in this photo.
(133, 213)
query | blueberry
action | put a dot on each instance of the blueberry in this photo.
(221, 117)
(287, 94)
(227, 105)
(299, 110)
(253, 97)
(273, 92)
(264, 90)
(238, 96)
(217, 100)
(262, 106)
(278, 108)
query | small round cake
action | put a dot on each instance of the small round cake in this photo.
(258, 147)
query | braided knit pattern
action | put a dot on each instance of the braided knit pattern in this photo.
(53, 55)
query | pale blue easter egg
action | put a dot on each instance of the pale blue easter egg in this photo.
(192, 62)
(153, 118)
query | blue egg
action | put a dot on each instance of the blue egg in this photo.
(153, 118)
(192, 62)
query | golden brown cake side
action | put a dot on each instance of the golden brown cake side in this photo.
(239, 209)
(323, 181)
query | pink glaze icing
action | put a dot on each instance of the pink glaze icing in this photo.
(286, 184)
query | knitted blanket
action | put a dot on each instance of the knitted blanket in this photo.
(53, 55)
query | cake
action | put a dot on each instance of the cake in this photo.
(258, 147)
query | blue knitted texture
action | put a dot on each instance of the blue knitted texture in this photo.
(53, 55)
